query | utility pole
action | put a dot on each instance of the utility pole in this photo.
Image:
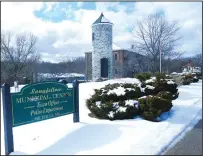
(168, 66)
(160, 57)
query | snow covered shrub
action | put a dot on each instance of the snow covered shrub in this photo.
(115, 101)
(164, 85)
(113, 110)
(160, 76)
(169, 77)
(195, 79)
(159, 84)
(175, 96)
(101, 79)
(165, 95)
(152, 107)
(188, 76)
(199, 75)
(178, 79)
(150, 81)
(186, 81)
(128, 112)
(143, 76)
(149, 90)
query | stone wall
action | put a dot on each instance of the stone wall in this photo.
(102, 48)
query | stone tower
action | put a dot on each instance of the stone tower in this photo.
(102, 56)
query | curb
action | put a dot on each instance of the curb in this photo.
(181, 134)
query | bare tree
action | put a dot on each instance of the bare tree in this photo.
(74, 65)
(155, 34)
(197, 60)
(18, 56)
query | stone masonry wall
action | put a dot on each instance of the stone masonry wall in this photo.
(102, 48)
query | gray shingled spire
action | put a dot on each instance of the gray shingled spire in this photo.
(102, 19)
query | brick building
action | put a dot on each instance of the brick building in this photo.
(125, 63)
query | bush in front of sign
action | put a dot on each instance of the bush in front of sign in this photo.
(195, 79)
(115, 102)
(151, 107)
(120, 101)
(127, 109)
(165, 95)
(143, 76)
(155, 86)
(166, 85)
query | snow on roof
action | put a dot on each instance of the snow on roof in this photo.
(60, 75)
(115, 47)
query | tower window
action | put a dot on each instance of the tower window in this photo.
(92, 36)
(116, 56)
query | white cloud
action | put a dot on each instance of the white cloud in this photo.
(80, 4)
(49, 6)
(73, 38)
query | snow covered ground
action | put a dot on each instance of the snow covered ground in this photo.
(92, 136)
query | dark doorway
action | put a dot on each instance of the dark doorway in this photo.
(104, 67)
(130, 74)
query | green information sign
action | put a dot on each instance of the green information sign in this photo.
(41, 101)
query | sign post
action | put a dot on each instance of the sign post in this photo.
(7, 114)
(76, 117)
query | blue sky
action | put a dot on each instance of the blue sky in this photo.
(64, 28)
(59, 11)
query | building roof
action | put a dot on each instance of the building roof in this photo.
(102, 19)
(114, 47)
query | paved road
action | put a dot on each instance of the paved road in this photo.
(190, 144)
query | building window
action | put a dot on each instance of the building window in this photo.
(116, 56)
(92, 36)
(116, 71)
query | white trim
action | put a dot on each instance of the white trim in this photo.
(101, 23)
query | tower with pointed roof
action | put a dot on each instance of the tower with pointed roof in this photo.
(102, 57)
